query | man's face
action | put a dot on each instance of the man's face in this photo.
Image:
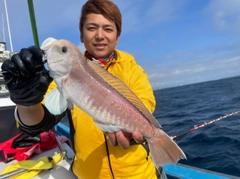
(99, 35)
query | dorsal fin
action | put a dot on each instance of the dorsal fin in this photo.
(123, 89)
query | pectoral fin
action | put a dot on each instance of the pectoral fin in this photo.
(55, 102)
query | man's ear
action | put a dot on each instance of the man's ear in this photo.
(117, 40)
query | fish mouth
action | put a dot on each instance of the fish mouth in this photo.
(47, 65)
(57, 61)
(50, 65)
(47, 45)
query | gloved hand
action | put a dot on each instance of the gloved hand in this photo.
(26, 78)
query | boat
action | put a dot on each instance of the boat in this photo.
(62, 169)
(8, 129)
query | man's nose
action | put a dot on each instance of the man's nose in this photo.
(100, 33)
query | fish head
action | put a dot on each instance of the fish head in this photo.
(60, 56)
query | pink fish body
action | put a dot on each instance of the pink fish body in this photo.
(112, 104)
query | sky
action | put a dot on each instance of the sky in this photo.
(177, 42)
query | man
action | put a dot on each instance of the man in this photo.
(98, 155)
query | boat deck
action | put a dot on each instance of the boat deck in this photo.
(60, 170)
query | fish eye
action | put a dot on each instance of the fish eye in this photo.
(64, 49)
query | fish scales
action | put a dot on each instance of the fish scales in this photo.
(107, 99)
(102, 96)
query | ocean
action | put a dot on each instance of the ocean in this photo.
(216, 146)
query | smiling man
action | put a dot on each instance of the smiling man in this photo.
(98, 155)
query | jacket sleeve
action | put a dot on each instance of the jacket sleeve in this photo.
(48, 122)
(139, 83)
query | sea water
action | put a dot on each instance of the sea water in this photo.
(216, 146)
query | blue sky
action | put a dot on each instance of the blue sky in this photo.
(177, 42)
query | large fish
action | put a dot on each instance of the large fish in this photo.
(112, 104)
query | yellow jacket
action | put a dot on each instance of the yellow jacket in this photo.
(95, 157)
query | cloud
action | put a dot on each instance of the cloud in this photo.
(164, 10)
(234, 59)
(139, 15)
(190, 67)
(225, 15)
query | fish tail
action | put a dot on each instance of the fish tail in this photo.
(163, 149)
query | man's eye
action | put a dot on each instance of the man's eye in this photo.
(91, 28)
(108, 30)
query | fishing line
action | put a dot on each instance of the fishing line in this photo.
(204, 124)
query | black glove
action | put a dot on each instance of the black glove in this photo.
(27, 79)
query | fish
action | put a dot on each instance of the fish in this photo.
(103, 96)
